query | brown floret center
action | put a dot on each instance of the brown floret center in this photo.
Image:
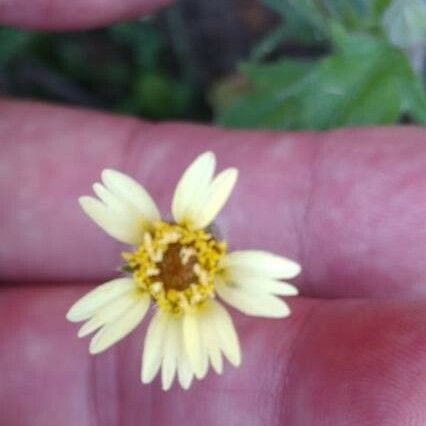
(173, 273)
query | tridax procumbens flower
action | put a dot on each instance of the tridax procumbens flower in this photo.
(181, 268)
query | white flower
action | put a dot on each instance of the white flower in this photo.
(180, 267)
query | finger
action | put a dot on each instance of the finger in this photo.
(76, 14)
(332, 362)
(348, 205)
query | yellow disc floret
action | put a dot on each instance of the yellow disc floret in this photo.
(176, 265)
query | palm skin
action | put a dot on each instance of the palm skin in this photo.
(349, 205)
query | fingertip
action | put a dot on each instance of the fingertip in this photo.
(77, 14)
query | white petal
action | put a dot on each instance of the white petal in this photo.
(85, 307)
(211, 341)
(192, 186)
(90, 326)
(113, 332)
(108, 198)
(184, 371)
(260, 284)
(109, 312)
(194, 344)
(118, 206)
(205, 359)
(127, 228)
(257, 304)
(154, 346)
(216, 359)
(217, 195)
(185, 374)
(132, 192)
(171, 353)
(225, 332)
(260, 263)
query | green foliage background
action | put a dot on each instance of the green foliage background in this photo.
(358, 78)
(128, 67)
(362, 80)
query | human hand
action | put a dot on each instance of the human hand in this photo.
(348, 205)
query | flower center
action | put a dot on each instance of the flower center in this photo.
(176, 265)
(174, 273)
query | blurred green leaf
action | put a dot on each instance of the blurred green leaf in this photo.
(145, 41)
(13, 43)
(306, 9)
(310, 20)
(405, 23)
(366, 82)
(276, 75)
(377, 8)
(158, 96)
(301, 16)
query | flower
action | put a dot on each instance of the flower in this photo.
(181, 268)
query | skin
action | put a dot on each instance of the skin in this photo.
(76, 14)
(350, 205)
